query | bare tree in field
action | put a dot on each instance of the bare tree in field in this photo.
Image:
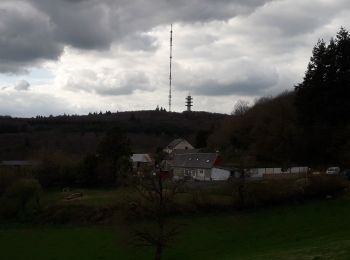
(155, 200)
(240, 184)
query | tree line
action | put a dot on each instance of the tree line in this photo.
(309, 125)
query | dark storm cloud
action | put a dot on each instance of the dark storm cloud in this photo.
(25, 37)
(36, 30)
(83, 24)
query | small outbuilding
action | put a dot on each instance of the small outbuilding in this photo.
(141, 159)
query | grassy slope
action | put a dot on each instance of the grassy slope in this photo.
(316, 230)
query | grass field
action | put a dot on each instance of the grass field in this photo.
(315, 230)
(90, 197)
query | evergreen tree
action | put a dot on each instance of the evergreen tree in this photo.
(323, 99)
(323, 96)
(115, 147)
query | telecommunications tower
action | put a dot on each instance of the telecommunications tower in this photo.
(170, 67)
(189, 102)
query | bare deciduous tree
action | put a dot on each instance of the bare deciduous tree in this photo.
(240, 108)
(156, 197)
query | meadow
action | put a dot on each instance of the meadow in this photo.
(316, 229)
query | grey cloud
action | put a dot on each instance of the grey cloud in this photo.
(82, 24)
(160, 11)
(36, 30)
(25, 37)
(129, 83)
(241, 77)
(301, 18)
(11, 67)
(99, 22)
(22, 85)
(11, 103)
(123, 83)
(252, 86)
(141, 42)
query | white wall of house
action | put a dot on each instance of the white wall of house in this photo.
(201, 174)
(218, 174)
(260, 172)
(194, 173)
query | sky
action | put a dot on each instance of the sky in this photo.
(81, 56)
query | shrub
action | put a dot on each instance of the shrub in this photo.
(6, 179)
(322, 185)
(270, 192)
(209, 201)
(278, 191)
(21, 199)
(55, 173)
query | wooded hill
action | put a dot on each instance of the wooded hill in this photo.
(76, 136)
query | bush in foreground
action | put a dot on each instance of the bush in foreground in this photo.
(21, 200)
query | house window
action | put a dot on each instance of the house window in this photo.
(201, 174)
(193, 173)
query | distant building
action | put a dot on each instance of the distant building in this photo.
(178, 144)
(19, 163)
(292, 172)
(141, 159)
(19, 167)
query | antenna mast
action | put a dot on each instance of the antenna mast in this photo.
(170, 67)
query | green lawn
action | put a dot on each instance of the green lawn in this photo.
(316, 230)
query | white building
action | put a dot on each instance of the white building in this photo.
(199, 167)
(139, 159)
(278, 172)
(178, 144)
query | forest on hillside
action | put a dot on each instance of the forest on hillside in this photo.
(74, 136)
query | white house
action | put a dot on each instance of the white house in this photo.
(200, 167)
(178, 144)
